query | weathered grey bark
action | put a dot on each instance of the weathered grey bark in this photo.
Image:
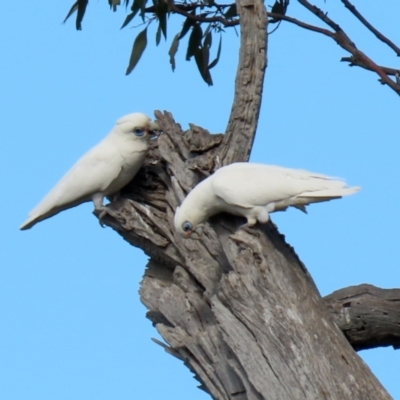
(368, 316)
(249, 82)
(238, 307)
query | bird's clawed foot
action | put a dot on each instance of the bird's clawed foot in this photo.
(102, 213)
(248, 227)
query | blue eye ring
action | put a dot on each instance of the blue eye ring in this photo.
(139, 132)
(187, 226)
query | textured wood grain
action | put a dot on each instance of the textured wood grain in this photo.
(238, 306)
(243, 119)
(368, 316)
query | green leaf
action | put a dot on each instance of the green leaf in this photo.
(71, 11)
(187, 25)
(215, 62)
(162, 18)
(206, 57)
(129, 18)
(208, 29)
(173, 50)
(279, 7)
(194, 41)
(142, 8)
(80, 13)
(208, 39)
(138, 48)
(158, 35)
(232, 12)
(113, 4)
(201, 56)
(136, 6)
(80, 7)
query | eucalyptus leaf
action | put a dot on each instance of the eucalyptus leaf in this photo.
(201, 57)
(279, 7)
(173, 50)
(80, 7)
(80, 13)
(208, 29)
(231, 12)
(143, 8)
(208, 40)
(194, 41)
(138, 48)
(162, 18)
(206, 57)
(114, 4)
(215, 62)
(129, 18)
(186, 26)
(71, 11)
(158, 35)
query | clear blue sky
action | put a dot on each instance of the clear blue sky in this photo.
(72, 325)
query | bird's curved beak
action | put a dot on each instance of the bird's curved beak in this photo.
(196, 233)
(154, 130)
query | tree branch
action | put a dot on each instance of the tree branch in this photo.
(243, 119)
(301, 24)
(368, 316)
(178, 10)
(388, 71)
(379, 35)
(358, 57)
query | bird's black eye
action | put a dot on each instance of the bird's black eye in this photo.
(139, 131)
(187, 226)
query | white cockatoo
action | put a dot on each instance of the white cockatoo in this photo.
(102, 171)
(254, 191)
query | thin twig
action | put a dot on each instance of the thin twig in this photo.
(326, 32)
(358, 57)
(388, 71)
(301, 24)
(379, 35)
(173, 7)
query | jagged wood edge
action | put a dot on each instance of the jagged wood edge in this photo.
(368, 316)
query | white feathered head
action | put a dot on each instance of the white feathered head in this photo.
(139, 124)
(188, 223)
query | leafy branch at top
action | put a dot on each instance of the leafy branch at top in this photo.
(358, 58)
(203, 18)
(215, 16)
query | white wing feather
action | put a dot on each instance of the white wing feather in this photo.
(92, 173)
(248, 185)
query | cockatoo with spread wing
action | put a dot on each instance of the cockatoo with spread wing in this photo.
(254, 191)
(102, 171)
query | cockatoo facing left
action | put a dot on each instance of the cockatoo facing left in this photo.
(102, 171)
(254, 191)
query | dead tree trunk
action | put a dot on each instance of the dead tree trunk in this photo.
(238, 307)
(368, 316)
